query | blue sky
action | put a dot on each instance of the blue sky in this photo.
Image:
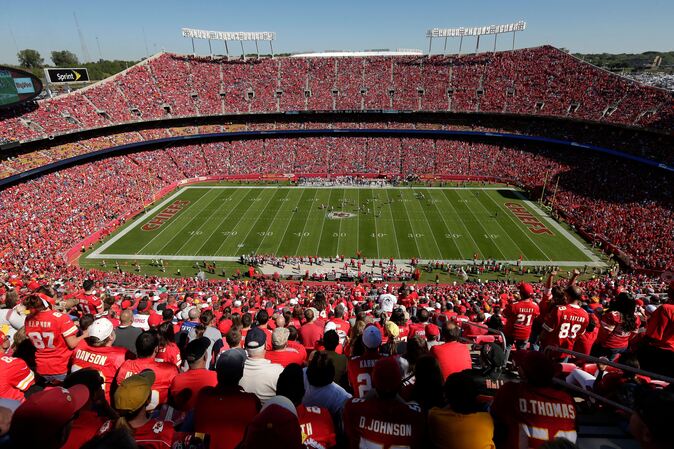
(302, 25)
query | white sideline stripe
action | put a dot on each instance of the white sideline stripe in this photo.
(110, 242)
(350, 187)
(96, 254)
(566, 263)
(570, 237)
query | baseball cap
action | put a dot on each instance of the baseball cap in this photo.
(38, 422)
(386, 375)
(280, 336)
(155, 320)
(134, 391)
(330, 326)
(392, 329)
(196, 349)
(372, 337)
(432, 330)
(526, 290)
(276, 425)
(101, 328)
(230, 364)
(255, 338)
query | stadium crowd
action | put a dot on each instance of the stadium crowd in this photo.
(125, 362)
(612, 203)
(542, 81)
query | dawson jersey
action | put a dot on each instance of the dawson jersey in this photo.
(383, 424)
(520, 317)
(317, 427)
(563, 325)
(106, 360)
(47, 331)
(15, 378)
(533, 415)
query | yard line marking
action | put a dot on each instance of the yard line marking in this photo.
(304, 228)
(170, 225)
(320, 235)
(250, 228)
(202, 224)
(428, 224)
(217, 229)
(463, 223)
(446, 226)
(339, 233)
(522, 253)
(410, 221)
(271, 223)
(395, 234)
(374, 219)
(234, 209)
(498, 248)
(525, 231)
(280, 242)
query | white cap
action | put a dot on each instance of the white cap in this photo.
(237, 303)
(330, 326)
(372, 337)
(101, 328)
(293, 301)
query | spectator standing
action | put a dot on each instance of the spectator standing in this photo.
(311, 332)
(186, 386)
(657, 351)
(281, 353)
(452, 356)
(359, 369)
(126, 334)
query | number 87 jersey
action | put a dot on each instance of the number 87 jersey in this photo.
(563, 325)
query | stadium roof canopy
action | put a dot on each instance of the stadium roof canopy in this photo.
(345, 54)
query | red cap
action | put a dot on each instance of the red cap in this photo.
(38, 422)
(127, 304)
(33, 285)
(155, 320)
(387, 376)
(432, 330)
(461, 309)
(224, 326)
(526, 290)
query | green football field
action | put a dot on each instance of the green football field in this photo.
(221, 223)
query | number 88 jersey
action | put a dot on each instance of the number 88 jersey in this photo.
(563, 325)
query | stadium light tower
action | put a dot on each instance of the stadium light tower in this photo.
(462, 32)
(226, 36)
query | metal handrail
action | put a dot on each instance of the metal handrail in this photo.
(506, 347)
(609, 363)
(592, 394)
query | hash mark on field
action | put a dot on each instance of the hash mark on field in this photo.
(271, 223)
(232, 232)
(418, 254)
(250, 229)
(320, 235)
(202, 224)
(285, 231)
(435, 202)
(428, 224)
(484, 229)
(304, 228)
(456, 214)
(395, 233)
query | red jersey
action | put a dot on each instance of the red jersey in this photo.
(48, 330)
(285, 357)
(520, 316)
(583, 343)
(106, 360)
(15, 378)
(612, 334)
(89, 303)
(359, 372)
(342, 328)
(169, 354)
(186, 386)
(563, 325)
(533, 415)
(317, 426)
(153, 434)
(661, 327)
(164, 374)
(384, 424)
(417, 329)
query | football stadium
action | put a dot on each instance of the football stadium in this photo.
(233, 242)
